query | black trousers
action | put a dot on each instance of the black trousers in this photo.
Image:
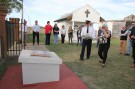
(70, 36)
(79, 40)
(62, 38)
(34, 35)
(97, 42)
(103, 50)
(85, 43)
(47, 41)
(133, 46)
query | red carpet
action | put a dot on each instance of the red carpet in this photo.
(68, 80)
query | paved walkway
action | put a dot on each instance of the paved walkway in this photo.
(36, 47)
(68, 80)
(12, 79)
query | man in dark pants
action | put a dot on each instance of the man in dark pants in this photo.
(132, 36)
(36, 29)
(87, 34)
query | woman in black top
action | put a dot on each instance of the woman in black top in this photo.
(56, 33)
(104, 44)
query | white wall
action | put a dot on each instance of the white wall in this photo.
(80, 15)
(67, 24)
(110, 26)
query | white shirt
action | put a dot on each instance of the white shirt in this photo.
(91, 32)
(124, 34)
(36, 28)
(75, 29)
(25, 29)
(63, 31)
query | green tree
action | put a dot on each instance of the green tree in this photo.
(12, 5)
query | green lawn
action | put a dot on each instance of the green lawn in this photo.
(116, 75)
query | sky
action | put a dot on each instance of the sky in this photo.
(50, 10)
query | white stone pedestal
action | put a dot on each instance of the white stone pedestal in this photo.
(36, 69)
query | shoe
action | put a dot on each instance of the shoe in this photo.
(88, 58)
(127, 54)
(81, 59)
(100, 61)
(133, 66)
(103, 65)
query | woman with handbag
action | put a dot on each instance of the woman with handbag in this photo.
(104, 44)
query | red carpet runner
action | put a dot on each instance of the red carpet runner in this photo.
(68, 80)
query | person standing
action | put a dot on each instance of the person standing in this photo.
(24, 33)
(56, 33)
(132, 36)
(63, 34)
(129, 46)
(70, 34)
(36, 29)
(87, 34)
(48, 30)
(104, 44)
(123, 40)
(98, 35)
(79, 38)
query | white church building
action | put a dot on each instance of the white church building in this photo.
(78, 18)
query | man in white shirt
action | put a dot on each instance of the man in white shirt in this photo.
(24, 33)
(63, 34)
(36, 29)
(87, 34)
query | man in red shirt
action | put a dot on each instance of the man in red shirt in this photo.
(48, 30)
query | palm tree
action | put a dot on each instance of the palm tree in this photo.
(12, 5)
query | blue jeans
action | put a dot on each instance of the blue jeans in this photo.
(55, 38)
(129, 46)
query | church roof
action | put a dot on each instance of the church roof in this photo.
(114, 21)
(130, 18)
(64, 17)
(68, 16)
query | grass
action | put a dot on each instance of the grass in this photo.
(41, 38)
(116, 75)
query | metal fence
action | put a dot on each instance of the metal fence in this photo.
(14, 36)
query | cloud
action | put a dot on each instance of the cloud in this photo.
(44, 10)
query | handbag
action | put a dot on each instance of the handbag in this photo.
(102, 40)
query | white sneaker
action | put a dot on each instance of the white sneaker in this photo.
(103, 65)
(100, 61)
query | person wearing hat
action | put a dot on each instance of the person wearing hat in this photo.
(87, 34)
(132, 36)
